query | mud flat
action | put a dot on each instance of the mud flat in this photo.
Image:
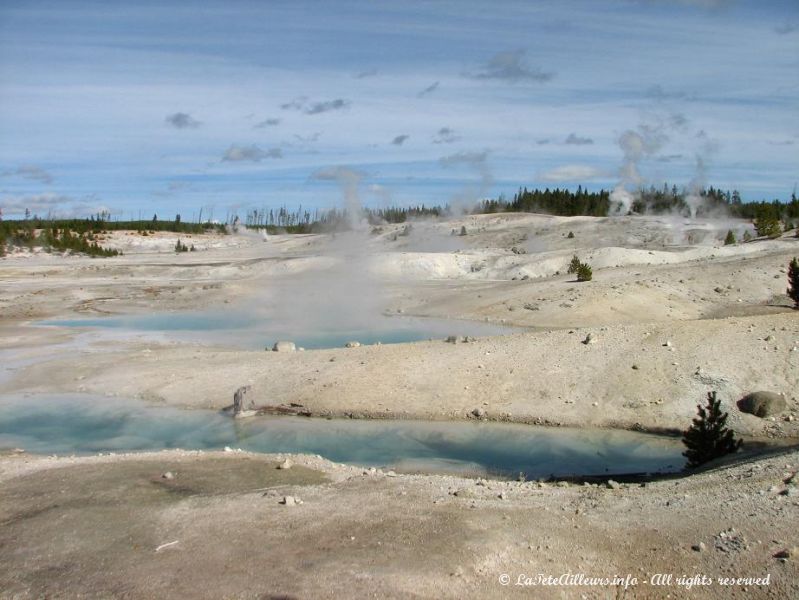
(668, 321)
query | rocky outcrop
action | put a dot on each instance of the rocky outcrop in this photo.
(762, 404)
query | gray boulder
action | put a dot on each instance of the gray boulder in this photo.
(762, 404)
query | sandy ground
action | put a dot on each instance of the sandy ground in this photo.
(112, 526)
(672, 314)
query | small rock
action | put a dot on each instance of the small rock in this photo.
(502, 496)
(613, 485)
(352, 344)
(785, 554)
(228, 449)
(478, 412)
(289, 501)
(635, 367)
(700, 547)
(286, 464)
(589, 339)
(168, 475)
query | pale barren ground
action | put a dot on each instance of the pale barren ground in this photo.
(90, 526)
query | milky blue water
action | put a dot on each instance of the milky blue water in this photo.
(244, 330)
(82, 424)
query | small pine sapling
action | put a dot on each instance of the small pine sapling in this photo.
(793, 282)
(574, 265)
(709, 437)
(584, 272)
(730, 239)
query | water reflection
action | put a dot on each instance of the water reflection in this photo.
(88, 424)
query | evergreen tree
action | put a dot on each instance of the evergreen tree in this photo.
(793, 282)
(584, 272)
(730, 239)
(708, 437)
(767, 225)
(574, 265)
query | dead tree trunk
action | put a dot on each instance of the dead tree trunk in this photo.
(238, 399)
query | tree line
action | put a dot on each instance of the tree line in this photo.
(79, 235)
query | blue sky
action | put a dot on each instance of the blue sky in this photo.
(166, 107)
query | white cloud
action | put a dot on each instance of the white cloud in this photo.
(576, 140)
(572, 173)
(51, 205)
(31, 172)
(251, 153)
(512, 67)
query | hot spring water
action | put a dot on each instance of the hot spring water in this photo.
(89, 424)
(250, 331)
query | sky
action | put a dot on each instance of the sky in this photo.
(224, 106)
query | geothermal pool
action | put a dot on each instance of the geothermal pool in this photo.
(81, 424)
(249, 331)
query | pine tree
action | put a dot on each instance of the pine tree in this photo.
(584, 272)
(730, 239)
(574, 264)
(793, 282)
(708, 437)
(768, 226)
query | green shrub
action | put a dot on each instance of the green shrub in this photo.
(581, 269)
(708, 437)
(584, 272)
(730, 239)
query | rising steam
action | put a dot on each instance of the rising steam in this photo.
(465, 199)
(349, 181)
(636, 145)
